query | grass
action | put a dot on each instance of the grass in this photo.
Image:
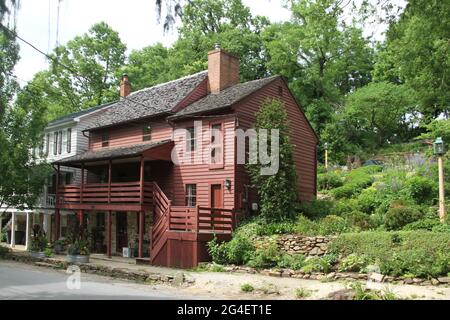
(302, 293)
(247, 287)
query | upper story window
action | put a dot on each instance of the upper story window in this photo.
(191, 195)
(191, 139)
(216, 146)
(60, 138)
(55, 143)
(47, 144)
(147, 133)
(69, 140)
(105, 139)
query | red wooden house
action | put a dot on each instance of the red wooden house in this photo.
(131, 185)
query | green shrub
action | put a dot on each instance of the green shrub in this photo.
(247, 287)
(332, 225)
(353, 262)
(358, 220)
(399, 216)
(317, 208)
(329, 180)
(316, 264)
(294, 262)
(301, 293)
(421, 253)
(423, 224)
(368, 200)
(441, 228)
(268, 229)
(306, 227)
(421, 189)
(237, 251)
(344, 206)
(265, 257)
(48, 252)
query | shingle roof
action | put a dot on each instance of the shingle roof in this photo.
(111, 153)
(77, 114)
(224, 98)
(151, 101)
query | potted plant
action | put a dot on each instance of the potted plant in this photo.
(38, 242)
(78, 248)
(59, 246)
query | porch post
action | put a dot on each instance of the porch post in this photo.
(27, 232)
(81, 218)
(108, 242)
(109, 179)
(141, 232)
(82, 182)
(46, 224)
(57, 225)
(141, 181)
(13, 230)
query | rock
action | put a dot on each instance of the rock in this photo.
(444, 280)
(376, 277)
(344, 294)
(314, 251)
(153, 277)
(178, 279)
(417, 280)
(296, 248)
(273, 273)
(286, 274)
(408, 281)
(426, 283)
(435, 282)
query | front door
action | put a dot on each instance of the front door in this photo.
(121, 231)
(216, 196)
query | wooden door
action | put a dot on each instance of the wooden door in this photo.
(121, 231)
(216, 196)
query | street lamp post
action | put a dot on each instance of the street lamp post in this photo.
(439, 150)
(325, 147)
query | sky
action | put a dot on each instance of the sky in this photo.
(135, 20)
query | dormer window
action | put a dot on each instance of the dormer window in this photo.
(147, 133)
(105, 139)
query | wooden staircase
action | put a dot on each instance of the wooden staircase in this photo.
(161, 211)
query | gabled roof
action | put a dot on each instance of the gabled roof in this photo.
(74, 115)
(156, 100)
(224, 98)
(113, 153)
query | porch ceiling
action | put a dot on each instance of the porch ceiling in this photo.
(160, 150)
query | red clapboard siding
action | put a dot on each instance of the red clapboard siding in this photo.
(201, 174)
(301, 135)
(126, 135)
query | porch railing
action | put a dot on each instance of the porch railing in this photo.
(117, 192)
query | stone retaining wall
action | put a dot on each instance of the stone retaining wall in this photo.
(292, 243)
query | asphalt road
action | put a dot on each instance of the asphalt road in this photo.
(23, 282)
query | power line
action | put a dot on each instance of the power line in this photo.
(73, 72)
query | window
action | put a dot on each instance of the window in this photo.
(216, 158)
(191, 195)
(105, 139)
(47, 145)
(147, 133)
(55, 143)
(68, 177)
(60, 138)
(100, 219)
(69, 140)
(191, 139)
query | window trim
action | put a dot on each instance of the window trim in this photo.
(105, 142)
(222, 144)
(189, 196)
(147, 136)
(191, 137)
(60, 144)
(69, 140)
(55, 143)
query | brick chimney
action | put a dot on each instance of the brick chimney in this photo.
(223, 70)
(125, 86)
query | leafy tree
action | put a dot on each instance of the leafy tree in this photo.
(204, 24)
(373, 116)
(416, 53)
(320, 55)
(277, 193)
(83, 73)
